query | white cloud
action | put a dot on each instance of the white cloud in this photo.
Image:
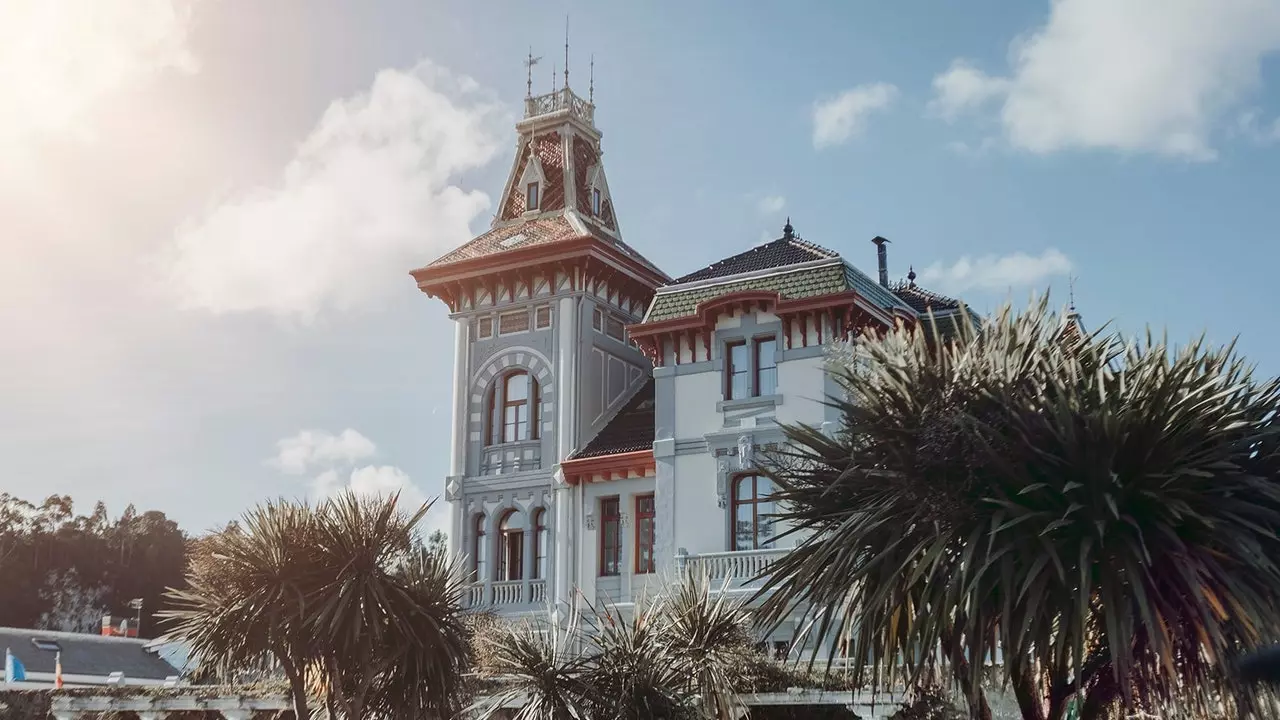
(771, 204)
(996, 272)
(1259, 131)
(370, 194)
(310, 448)
(60, 57)
(963, 88)
(837, 119)
(1150, 76)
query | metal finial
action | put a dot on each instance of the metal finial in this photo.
(566, 52)
(553, 78)
(528, 67)
(591, 89)
(1071, 292)
(788, 232)
(911, 274)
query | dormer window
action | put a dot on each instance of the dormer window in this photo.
(595, 201)
(531, 196)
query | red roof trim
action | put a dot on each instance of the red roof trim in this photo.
(575, 470)
(707, 311)
(522, 257)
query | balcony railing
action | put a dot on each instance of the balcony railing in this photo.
(506, 593)
(740, 566)
(563, 99)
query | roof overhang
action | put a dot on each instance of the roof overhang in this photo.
(602, 468)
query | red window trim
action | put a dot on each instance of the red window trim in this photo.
(735, 503)
(756, 342)
(605, 518)
(498, 422)
(477, 545)
(539, 525)
(728, 368)
(640, 518)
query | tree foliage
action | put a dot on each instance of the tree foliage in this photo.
(682, 655)
(1101, 514)
(343, 596)
(63, 571)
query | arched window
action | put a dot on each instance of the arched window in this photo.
(513, 408)
(540, 544)
(478, 548)
(511, 546)
(753, 526)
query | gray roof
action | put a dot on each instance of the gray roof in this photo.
(85, 654)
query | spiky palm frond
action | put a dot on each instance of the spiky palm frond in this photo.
(342, 596)
(632, 669)
(1089, 509)
(708, 640)
(542, 673)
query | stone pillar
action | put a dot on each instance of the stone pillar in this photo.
(564, 531)
(461, 421)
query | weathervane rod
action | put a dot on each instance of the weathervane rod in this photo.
(591, 90)
(528, 66)
(566, 51)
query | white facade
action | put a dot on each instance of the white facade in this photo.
(575, 482)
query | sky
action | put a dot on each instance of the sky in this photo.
(209, 208)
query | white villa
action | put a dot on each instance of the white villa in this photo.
(606, 416)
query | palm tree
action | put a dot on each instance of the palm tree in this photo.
(678, 656)
(343, 596)
(1103, 515)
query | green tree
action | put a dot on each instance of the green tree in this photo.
(1102, 514)
(340, 595)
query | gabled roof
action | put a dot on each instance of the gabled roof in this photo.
(86, 654)
(789, 284)
(631, 430)
(786, 250)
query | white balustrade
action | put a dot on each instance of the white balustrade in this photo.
(741, 565)
(508, 592)
(474, 596)
(538, 590)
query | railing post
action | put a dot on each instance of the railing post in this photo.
(682, 560)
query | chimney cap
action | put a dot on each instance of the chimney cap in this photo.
(878, 240)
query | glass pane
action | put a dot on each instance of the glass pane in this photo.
(738, 358)
(768, 382)
(765, 354)
(743, 529)
(517, 387)
(513, 521)
(509, 425)
(743, 490)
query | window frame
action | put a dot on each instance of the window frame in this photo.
(508, 571)
(477, 547)
(755, 502)
(614, 553)
(596, 201)
(540, 536)
(751, 346)
(642, 516)
(756, 344)
(481, 332)
(497, 404)
(730, 373)
(531, 196)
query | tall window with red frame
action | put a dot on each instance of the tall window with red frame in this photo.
(610, 537)
(766, 366)
(540, 544)
(511, 546)
(477, 548)
(737, 369)
(753, 524)
(644, 534)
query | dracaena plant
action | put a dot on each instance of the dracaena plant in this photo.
(1100, 516)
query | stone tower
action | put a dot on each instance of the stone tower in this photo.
(541, 358)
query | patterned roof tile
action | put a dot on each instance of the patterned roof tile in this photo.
(809, 282)
(779, 253)
(510, 237)
(631, 430)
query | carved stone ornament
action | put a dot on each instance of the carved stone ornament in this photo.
(452, 490)
(624, 519)
(722, 501)
(590, 520)
(745, 448)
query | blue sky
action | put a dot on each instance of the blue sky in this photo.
(212, 205)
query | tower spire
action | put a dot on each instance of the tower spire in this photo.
(528, 69)
(566, 52)
(591, 88)
(553, 78)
